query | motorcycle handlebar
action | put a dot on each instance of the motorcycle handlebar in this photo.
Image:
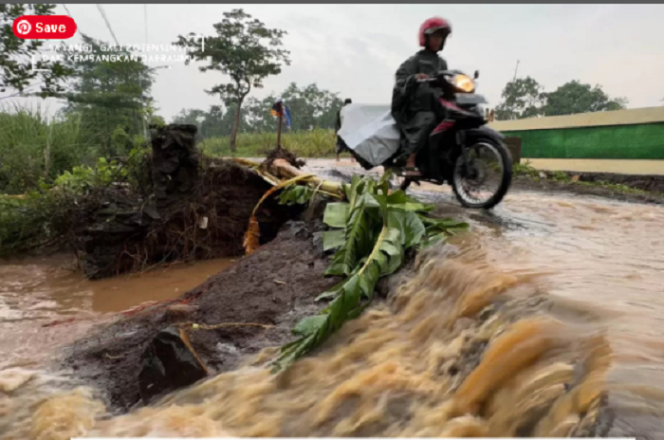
(440, 73)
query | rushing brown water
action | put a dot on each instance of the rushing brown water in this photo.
(577, 312)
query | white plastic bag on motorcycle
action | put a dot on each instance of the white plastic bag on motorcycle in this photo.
(370, 131)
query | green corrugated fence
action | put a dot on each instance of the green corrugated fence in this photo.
(638, 141)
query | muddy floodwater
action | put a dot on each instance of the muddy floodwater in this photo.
(38, 294)
(578, 283)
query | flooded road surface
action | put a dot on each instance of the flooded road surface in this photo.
(521, 327)
(45, 302)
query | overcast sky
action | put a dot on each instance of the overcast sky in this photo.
(355, 49)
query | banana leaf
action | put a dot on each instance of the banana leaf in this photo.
(370, 232)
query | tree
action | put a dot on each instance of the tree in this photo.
(575, 97)
(522, 98)
(216, 122)
(190, 116)
(243, 49)
(311, 107)
(257, 116)
(18, 74)
(111, 93)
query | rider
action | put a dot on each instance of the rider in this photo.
(413, 102)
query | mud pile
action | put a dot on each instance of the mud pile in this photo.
(595, 184)
(197, 208)
(652, 183)
(272, 288)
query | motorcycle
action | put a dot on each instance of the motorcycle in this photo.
(458, 146)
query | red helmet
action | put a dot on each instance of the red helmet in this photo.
(432, 25)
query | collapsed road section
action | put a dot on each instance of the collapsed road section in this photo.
(194, 208)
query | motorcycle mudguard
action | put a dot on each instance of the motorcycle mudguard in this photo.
(485, 131)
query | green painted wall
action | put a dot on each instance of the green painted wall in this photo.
(639, 141)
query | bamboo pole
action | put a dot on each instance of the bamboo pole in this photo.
(281, 169)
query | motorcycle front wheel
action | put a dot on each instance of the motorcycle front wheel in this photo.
(489, 162)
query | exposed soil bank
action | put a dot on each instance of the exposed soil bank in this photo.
(197, 208)
(275, 286)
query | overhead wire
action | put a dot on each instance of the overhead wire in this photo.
(145, 19)
(108, 24)
(69, 13)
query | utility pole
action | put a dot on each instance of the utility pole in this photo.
(279, 119)
(516, 69)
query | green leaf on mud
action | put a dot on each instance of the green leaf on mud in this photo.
(399, 200)
(433, 240)
(331, 292)
(333, 239)
(447, 226)
(409, 224)
(336, 214)
(309, 325)
(295, 195)
(358, 240)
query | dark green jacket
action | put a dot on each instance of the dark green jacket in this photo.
(410, 97)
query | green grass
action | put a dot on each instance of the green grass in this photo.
(34, 147)
(525, 169)
(560, 176)
(319, 143)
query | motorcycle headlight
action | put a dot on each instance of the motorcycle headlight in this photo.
(464, 83)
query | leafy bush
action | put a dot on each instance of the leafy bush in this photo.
(48, 213)
(83, 177)
(33, 148)
(525, 169)
(25, 220)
